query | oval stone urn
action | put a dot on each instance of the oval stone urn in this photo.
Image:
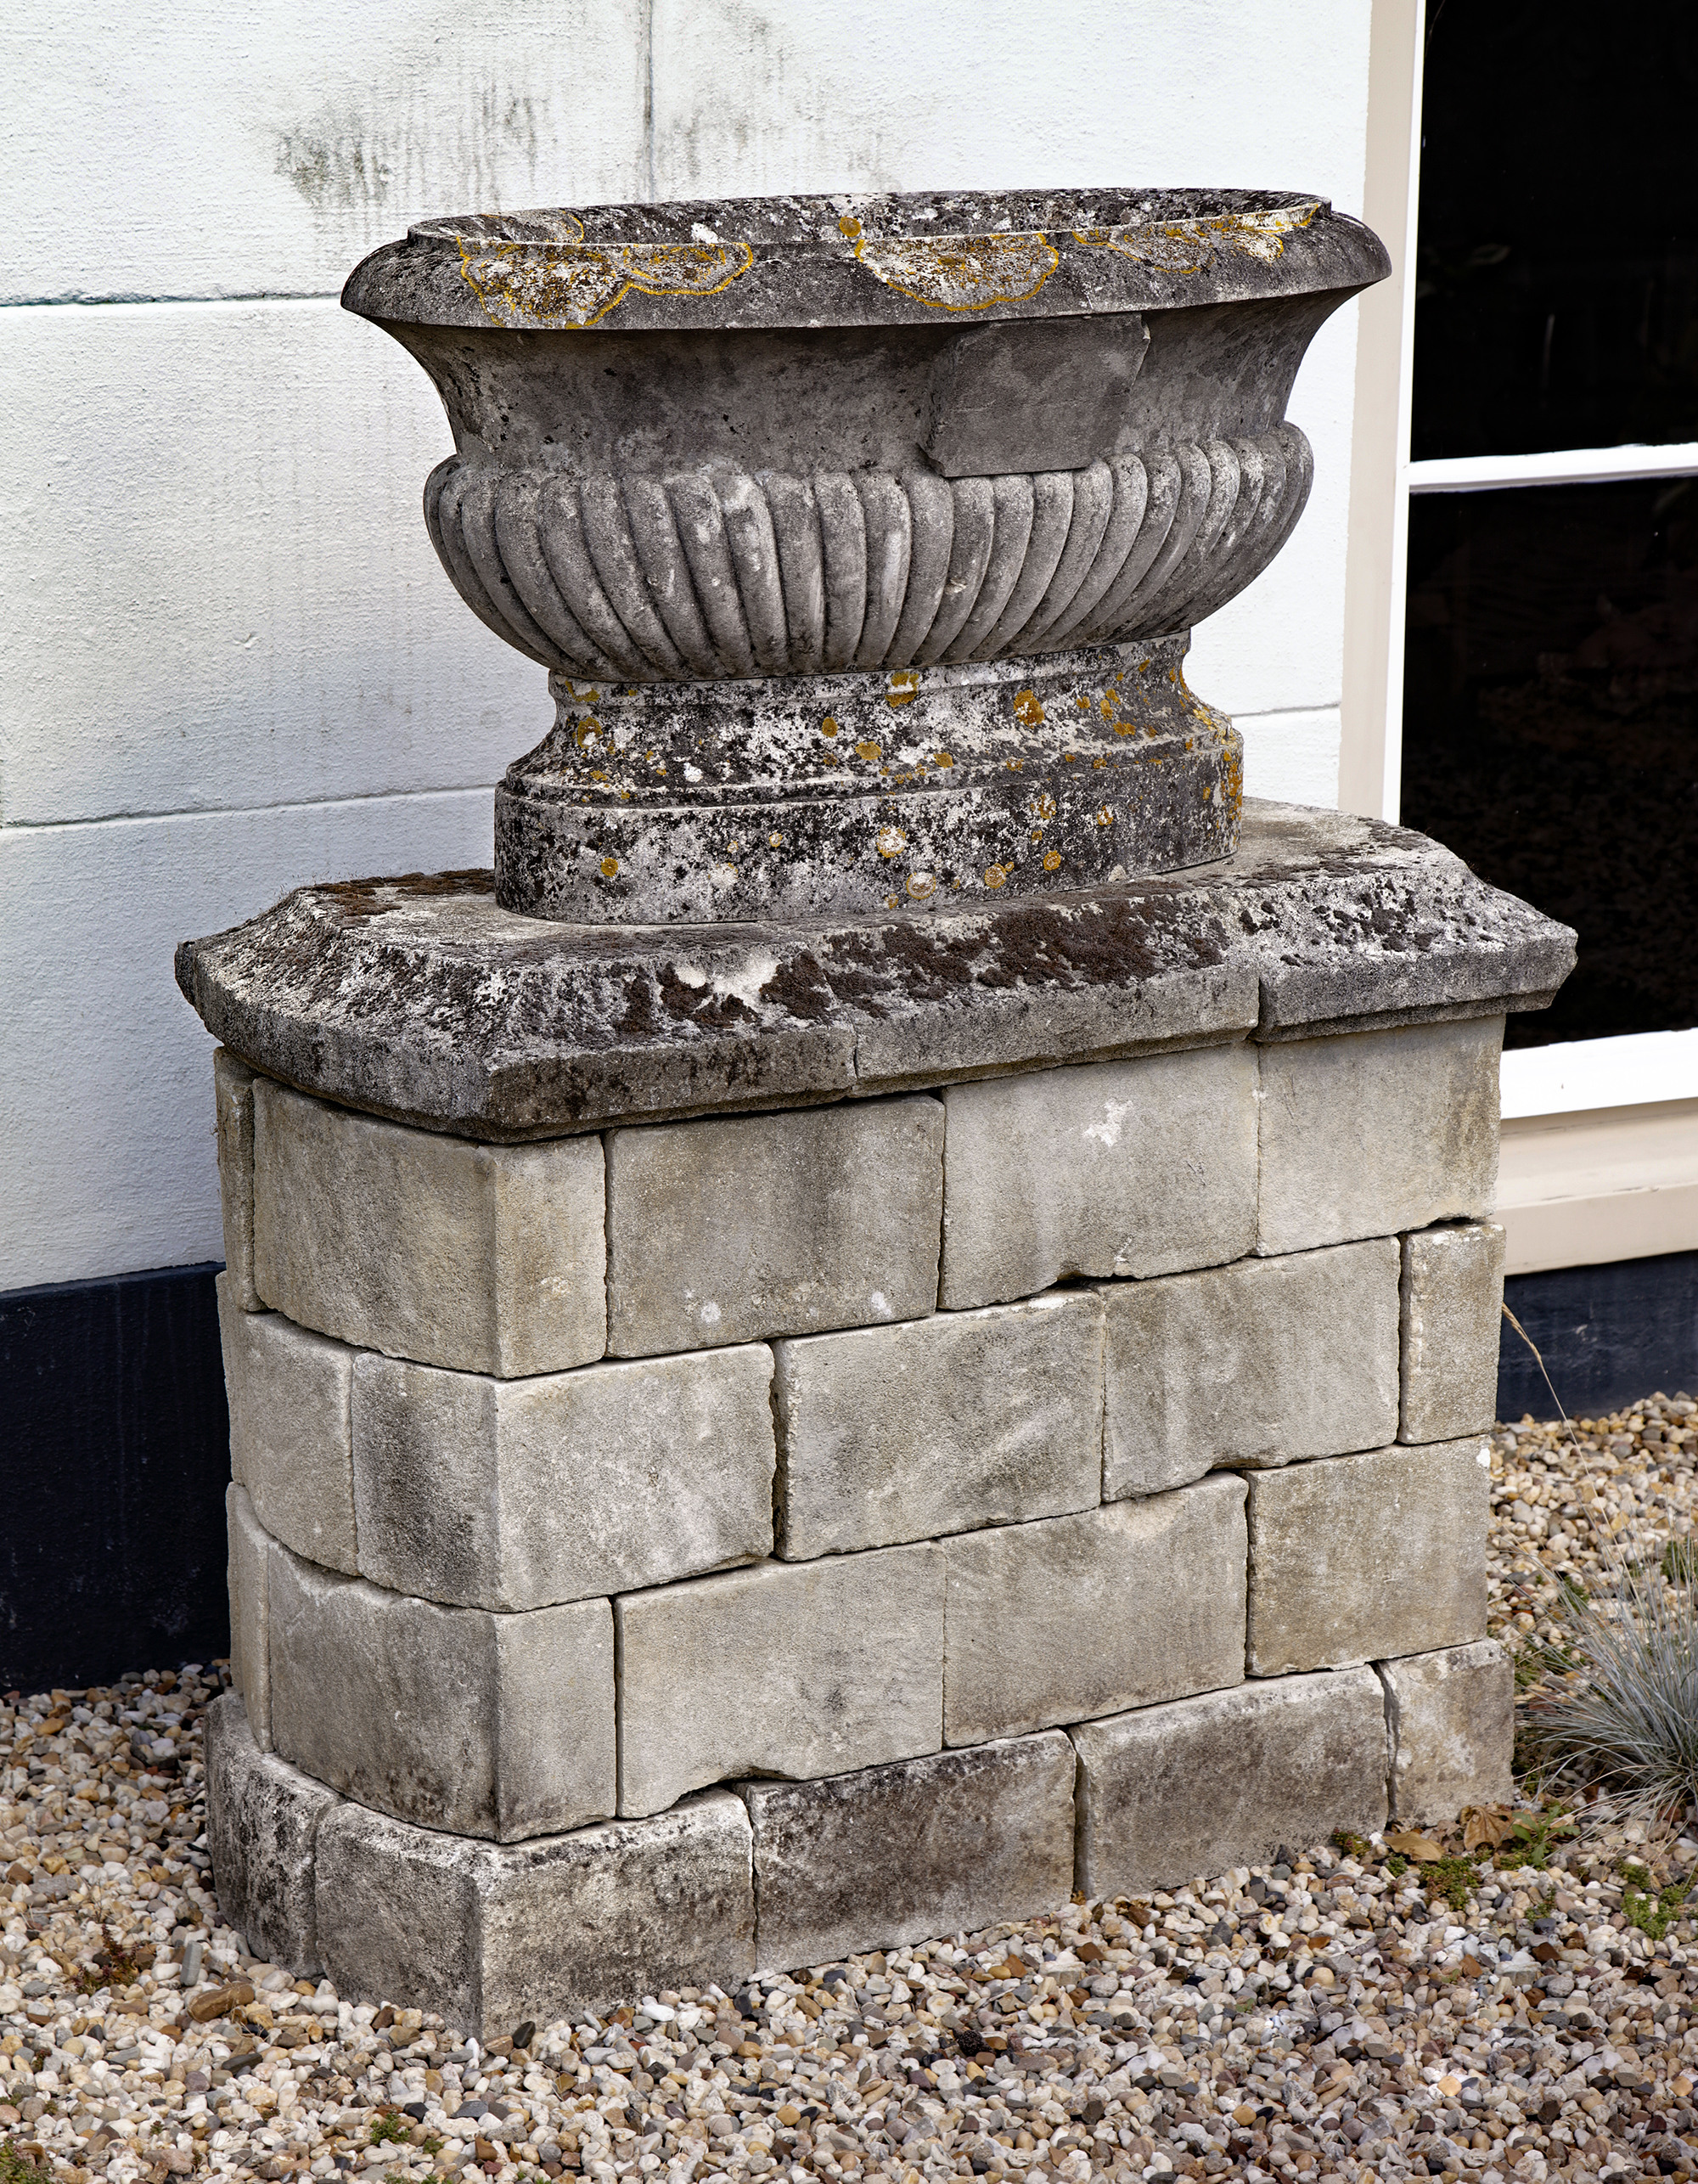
(863, 537)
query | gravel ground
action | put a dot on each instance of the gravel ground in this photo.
(1357, 2010)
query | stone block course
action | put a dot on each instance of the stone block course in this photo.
(1451, 1720)
(939, 1425)
(512, 1494)
(1355, 1557)
(490, 1935)
(924, 1847)
(1137, 1168)
(262, 1821)
(1375, 1131)
(498, 1725)
(1050, 1623)
(1260, 1362)
(232, 1097)
(790, 1668)
(248, 1567)
(730, 1231)
(1173, 1792)
(288, 1393)
(1452, 1296)
(486, 1258)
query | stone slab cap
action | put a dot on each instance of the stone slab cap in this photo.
(262, 1819)
(726, 1230)
(1172, 1792)
(1452, 1718)
(854, 259)
(1077, 1616)
(939, 1425)
(1115, 1167)
(418, 999)
(517, 1493)
(481, 1257)
(497, 1725)
(1262, 1362)
(948, 1844)
(789, 1669)
(288, 1393)
(1355, 1557)
(1453, 1297)
(233, 1095)
(492, 1935)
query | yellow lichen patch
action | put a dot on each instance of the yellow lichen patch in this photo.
(610, 867)
(891, 842)
(775, 841)
(1028, 708)
(1187, 246)
(827, 727)
(1042, 806)
(904, 687)
(961, 272)
(588, 731)
(921, 886)
(577, 283)
(1015, 765)
(1106, 817)
(869, 752)
(849, 225)
(1052, 860)
(995, 876)
(943, 759)
(1124, 726)
(1097, 764)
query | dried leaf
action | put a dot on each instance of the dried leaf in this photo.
(1409, 1844)
(1490, 1824)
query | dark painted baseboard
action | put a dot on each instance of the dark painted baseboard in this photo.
(114, 1445)
(1608, 1335)
(115, 1448)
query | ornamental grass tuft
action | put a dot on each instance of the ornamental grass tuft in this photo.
(1624, 1713)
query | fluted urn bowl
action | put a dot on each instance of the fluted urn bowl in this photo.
(863, 537)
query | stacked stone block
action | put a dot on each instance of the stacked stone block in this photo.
(734, 1542)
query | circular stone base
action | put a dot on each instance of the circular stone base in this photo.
(803, 796)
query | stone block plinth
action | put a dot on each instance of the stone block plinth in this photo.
(778, 1440)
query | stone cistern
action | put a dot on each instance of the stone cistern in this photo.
(893, 1317)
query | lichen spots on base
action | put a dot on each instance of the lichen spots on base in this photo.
(1028, 708)
(904, 687)
(610, 868)
(995, 876)
(891, 842)
(1052, 860)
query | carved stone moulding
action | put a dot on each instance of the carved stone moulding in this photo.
(863, 536)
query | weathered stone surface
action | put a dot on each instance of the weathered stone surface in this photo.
(1452, 1296)
(772, 1224)
(492, 1935)
(1077, 1616)
(957, 1841)
(1195, 1787)
(248, 1573)
(421, 998)
(1377, 1130)
(489, 1724)
(289, 1393)
(262, 1819)
(233, 1096)
(1123, 1167)
(501, 1493)
(1258, 1363)
(789, 1669)
(1452, 1719)
(939, 1425)
(483, 1258)
(1355, 1557)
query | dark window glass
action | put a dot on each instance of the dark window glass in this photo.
(1550, 728)
(1557, 271)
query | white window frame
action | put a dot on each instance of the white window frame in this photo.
(1601, 1136)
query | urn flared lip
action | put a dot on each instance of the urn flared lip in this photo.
(926, 258)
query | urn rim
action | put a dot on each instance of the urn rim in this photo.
(852, 259)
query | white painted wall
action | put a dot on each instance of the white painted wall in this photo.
(229, 662)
